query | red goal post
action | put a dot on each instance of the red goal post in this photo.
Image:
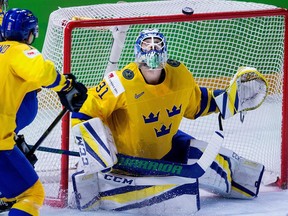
(213, 42)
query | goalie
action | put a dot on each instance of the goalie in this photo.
(143, 105)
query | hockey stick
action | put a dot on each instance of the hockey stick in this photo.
(154, 167)
(47, 132)
(143, 166)
(119, 35)
(57, 151)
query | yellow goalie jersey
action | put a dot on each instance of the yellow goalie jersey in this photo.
(23, 69)
(143, 118)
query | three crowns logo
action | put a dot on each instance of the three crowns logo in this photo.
(151, 118)
(163, 130)
(174, 111)
(155, 117)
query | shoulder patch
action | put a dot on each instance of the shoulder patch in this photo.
(114, 83)
(173, 63)
(31, 53)
(128, 74)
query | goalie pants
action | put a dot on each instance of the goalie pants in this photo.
(229, 175)
(20, 182)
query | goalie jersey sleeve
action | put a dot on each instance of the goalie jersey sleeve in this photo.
(23, 70)
(143, 118)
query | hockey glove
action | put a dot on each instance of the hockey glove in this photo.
(74, 95)
(247, 91)
(25, 149)
(6, 206)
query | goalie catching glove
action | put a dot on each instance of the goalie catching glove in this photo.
(73, 96)
(247, 91)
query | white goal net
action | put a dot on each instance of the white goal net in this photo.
(213, 42)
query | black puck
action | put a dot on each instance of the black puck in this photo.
(187, 10)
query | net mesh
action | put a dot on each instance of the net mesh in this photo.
(212, 49)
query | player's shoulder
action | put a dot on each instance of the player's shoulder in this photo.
(173, 63)
(30, 51)
(122, 79)
(177, 66)
(17, 44)
(128, 73)
(178, 70)
(22, 48)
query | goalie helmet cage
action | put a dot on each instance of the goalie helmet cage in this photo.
(213, 42)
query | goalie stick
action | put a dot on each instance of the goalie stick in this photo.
(155, 167)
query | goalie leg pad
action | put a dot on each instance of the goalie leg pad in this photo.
(96, 145)
(138, 195)
(85, 191)
(230, 175)
(171, 195)
(247, 177)
(218, 177)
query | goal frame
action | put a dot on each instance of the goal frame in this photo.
(70, 25)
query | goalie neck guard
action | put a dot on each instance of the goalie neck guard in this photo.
(151, 52)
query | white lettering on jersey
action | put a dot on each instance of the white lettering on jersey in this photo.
(31, 53)
(114, 83)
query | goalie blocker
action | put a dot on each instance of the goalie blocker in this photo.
(96, 146)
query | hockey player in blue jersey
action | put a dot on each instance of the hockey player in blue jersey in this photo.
(143, 104)
(24, 71)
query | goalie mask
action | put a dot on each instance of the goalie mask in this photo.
(151, 49)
